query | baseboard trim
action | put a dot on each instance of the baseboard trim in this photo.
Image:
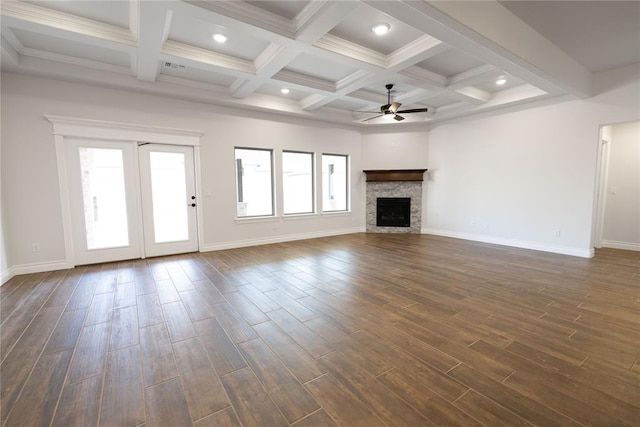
(629, 246)
(40, 267)
(6, 275)
(208, 247)
(564, 250)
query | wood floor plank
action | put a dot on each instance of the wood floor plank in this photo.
(203, 390)
(123, 401)
(124, 328)
(317, 419)
(149, 310)
(166, 291)
(298, 361)
(222, 352)
(145, 284)
(125, 295)
(209, 292)
(79, 404)
(296, 309)
(166, 405)
(157, 355)
(387, 405)
(178, 321)
(100, 310)
(248, 310)
(341, 404)
(301, 334)
(235, 326)
(196, 306)
(82, 296)
(65, 335)
(487, 411)
(15, 368)
(225, 418)
(89, 358)
(521, 405)
(38, 399)
(287, 393)
(251, 402)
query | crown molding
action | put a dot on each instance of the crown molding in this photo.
(63, 21)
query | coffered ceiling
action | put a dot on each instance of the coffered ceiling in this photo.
(445, 56)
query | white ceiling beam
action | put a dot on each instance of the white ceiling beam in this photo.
(304, 81)
(241, 16)
(313, 22)
(63, 25)
(473, 76)
(207, 60)
(495, 36)
(268, 63)
(154, 24)
(319, 17)
(414, 52)
(472, 94)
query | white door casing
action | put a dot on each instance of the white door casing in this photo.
(66, 129)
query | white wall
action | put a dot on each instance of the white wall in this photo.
(31, 200)
(520, 178)
(622, 206)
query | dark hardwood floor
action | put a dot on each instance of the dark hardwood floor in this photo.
(357, 330)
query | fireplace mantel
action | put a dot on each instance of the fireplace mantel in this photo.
(387, 175)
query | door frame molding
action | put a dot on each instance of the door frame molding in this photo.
(73, 127)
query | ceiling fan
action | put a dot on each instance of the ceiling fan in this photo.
(392, 108)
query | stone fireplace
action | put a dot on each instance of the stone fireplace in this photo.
(399, 194)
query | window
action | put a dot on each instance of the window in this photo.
(297, 182)
(334, 182)
(254, 182)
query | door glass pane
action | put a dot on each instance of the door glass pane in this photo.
(103, 193)
(169, 195)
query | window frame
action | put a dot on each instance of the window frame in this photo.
(313, 184)
(347, 183)
(273, 192)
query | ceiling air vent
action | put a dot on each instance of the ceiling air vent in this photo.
(174, 66)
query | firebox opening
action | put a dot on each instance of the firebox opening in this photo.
(393, 212)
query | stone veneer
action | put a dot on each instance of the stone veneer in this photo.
(412, 189)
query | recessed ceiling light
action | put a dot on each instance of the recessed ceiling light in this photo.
(501, 80)
(285, 90)
(381, 28)
(220, 38)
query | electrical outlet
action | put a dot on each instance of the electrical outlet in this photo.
(35, 248)
(556, 232)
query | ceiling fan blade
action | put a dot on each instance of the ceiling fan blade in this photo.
(398, 118)
(374, 117)
(414, 110)
(394, 107)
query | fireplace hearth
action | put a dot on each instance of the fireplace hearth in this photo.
(400, 191)
(393, 212)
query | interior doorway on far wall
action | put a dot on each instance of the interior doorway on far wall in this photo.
(617, 217)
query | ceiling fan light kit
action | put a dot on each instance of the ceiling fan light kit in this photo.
(393, 108)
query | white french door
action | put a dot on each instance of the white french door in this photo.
(168, 193)
(130, 202)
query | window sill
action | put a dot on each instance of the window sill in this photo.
(336, 213)
(253, 219)
(294, 217)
